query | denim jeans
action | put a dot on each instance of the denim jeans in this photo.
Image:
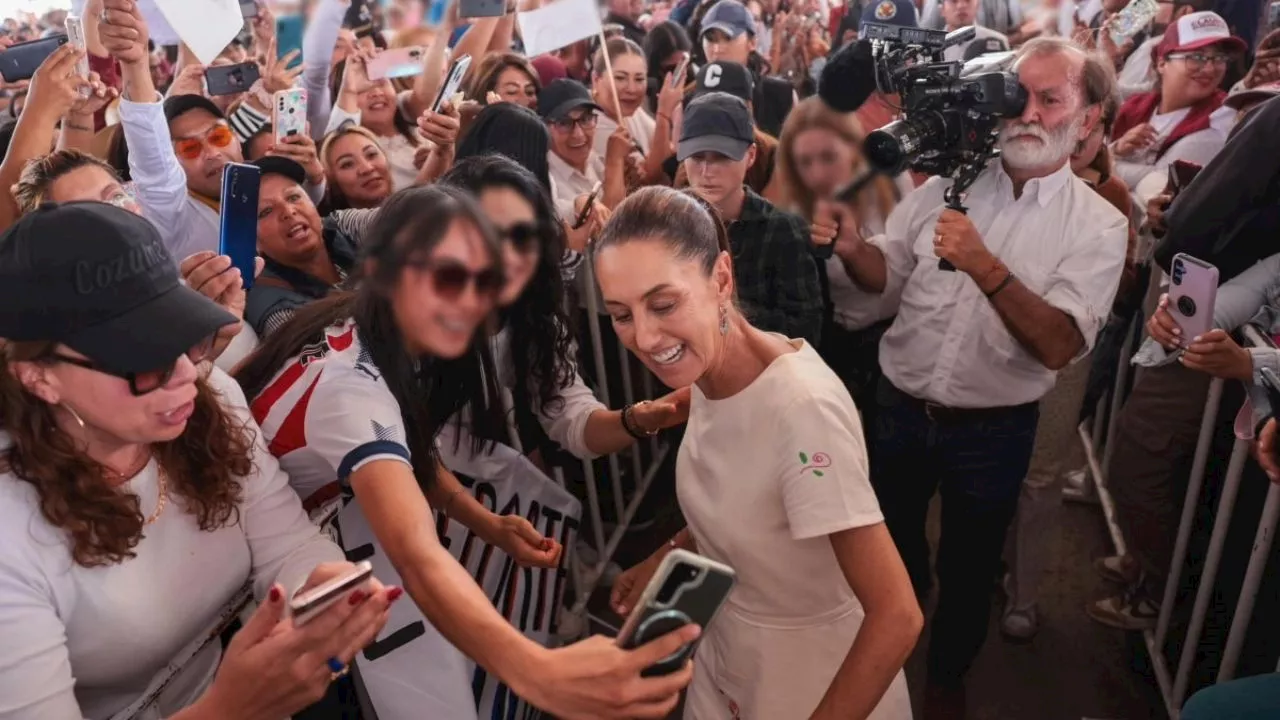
(977, 460)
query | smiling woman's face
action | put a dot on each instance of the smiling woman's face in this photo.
(514, 85)
(508, 210)
(358, 167)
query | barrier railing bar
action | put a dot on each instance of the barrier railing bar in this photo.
(1161, 670)
(1189, 505)
(597, 352)
(1226, 507)
(1252, 580)
(629, 396)
(1103, 494)
(646, 383)
(1117, 393)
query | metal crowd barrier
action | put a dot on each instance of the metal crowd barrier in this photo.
(1098, 435)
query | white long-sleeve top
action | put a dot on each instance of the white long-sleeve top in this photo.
(80, 642)
(318, 42)
(186, 225)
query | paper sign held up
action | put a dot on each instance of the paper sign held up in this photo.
(206, 26)
(558, 24)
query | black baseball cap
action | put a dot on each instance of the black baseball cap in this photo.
(716, 122)
(291, 169)
(563, 96)
(178, 105)
(99, 280)
(729, 17)
(726, 77)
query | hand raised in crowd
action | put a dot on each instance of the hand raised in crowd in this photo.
(957, 241)
(355, 76)
(669, 98)
(1162, 327)
(279, 76)
(123, 32)
(1137, 139)
(98, 97)
(1116, 53)
(1216, 353)
(55, 86)
(577, 238)
(273, 669)
(1266, 63)
(1264, 451)
(597, 679)
(826, 223)
(620, 145)
(518, 538)
(301, 148)
(264, 29)
(213, 276)
(1156, 208)
(665, 412)
(441, 128)
(188, 81)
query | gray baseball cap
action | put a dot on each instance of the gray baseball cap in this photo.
(716, 122)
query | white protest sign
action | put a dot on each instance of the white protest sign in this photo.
(558, 24)
(206, 26)
(413, 671)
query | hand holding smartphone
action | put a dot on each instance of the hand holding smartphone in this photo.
(306, 606)
(20, 62)
(686, 588)
(1193, 287)
(289, 113)
(453, 81)
(238, 230)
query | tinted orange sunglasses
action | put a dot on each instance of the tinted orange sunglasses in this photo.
(219, 136)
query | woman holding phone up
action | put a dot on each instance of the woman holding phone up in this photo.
(137, 496)
(823, 615)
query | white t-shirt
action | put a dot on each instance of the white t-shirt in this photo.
(852, 307)
(785, 460)
(1146, 175)
(87, 642)
(640, 124)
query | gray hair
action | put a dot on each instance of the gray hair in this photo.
(1097, 77)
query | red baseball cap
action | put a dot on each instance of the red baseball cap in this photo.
(1197, 30)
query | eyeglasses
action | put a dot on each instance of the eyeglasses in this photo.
(1199, 60)
(144, 382)
(219, 136)
(450, 279)
(586, 122)
(524, 236)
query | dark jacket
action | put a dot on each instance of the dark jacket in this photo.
(282, 289)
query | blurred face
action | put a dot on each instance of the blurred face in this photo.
(257, 146)
(378, 105)
(823, 160)
(204, 145)
(716, 178)
(573, 137)
(672, 63)
(359, 169)
(665, 309)
(517, 223)
(289, 229)
(515, 86)
(1186, 78)
(719, 47)
(112, 414)
(630, 76)
(1054, 120)
(959, 13)
(91, 183)
(442, 297)
(1087, 149)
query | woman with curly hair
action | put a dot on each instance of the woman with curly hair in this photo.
(137, 496)
(531, 343)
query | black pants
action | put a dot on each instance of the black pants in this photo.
(977, 460)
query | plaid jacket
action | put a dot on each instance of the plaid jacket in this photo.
(774, 268)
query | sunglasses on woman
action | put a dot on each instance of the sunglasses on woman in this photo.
(219, 136)
(523, 236)
(450, 279)
(144, 382)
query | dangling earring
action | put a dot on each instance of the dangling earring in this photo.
(724, 320)
(75, 415)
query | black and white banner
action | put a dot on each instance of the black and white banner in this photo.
(411, 671)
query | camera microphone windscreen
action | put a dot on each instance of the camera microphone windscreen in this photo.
(849, 77)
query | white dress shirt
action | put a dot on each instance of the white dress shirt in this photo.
(948, 344)
(186, 225)
(567, 182)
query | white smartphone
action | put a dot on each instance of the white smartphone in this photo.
(687, 588)
(453, 81)
(289, 113)
(75, 36)
(306, 606)
(1193, 287)
(398, 63)
(682, 72)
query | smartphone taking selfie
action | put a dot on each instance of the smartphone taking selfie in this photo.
(231, 79)
(238, 229)
(457, 71)
(398, 63)
(19, 62)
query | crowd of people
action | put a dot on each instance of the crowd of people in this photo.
(431, 278)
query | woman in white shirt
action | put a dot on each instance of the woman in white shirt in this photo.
(772, 478)
(631, 78)
(137, 497)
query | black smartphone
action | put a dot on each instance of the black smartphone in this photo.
(231, 79)
(20, 62)
(587, 208)
(482, 8)
(248, 9)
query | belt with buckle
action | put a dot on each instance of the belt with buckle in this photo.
(944, 415)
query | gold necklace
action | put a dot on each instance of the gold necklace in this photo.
(115, 478)
(163, 495)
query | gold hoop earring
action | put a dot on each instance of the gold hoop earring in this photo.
(724, 320)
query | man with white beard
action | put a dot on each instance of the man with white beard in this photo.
(1038, 258)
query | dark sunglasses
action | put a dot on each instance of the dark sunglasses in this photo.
(144, 382)
(451, 279)
(524, 236)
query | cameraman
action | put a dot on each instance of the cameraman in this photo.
(1037, 259)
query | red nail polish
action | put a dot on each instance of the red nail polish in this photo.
(274, 595)
(394, 594)
(357, 597)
